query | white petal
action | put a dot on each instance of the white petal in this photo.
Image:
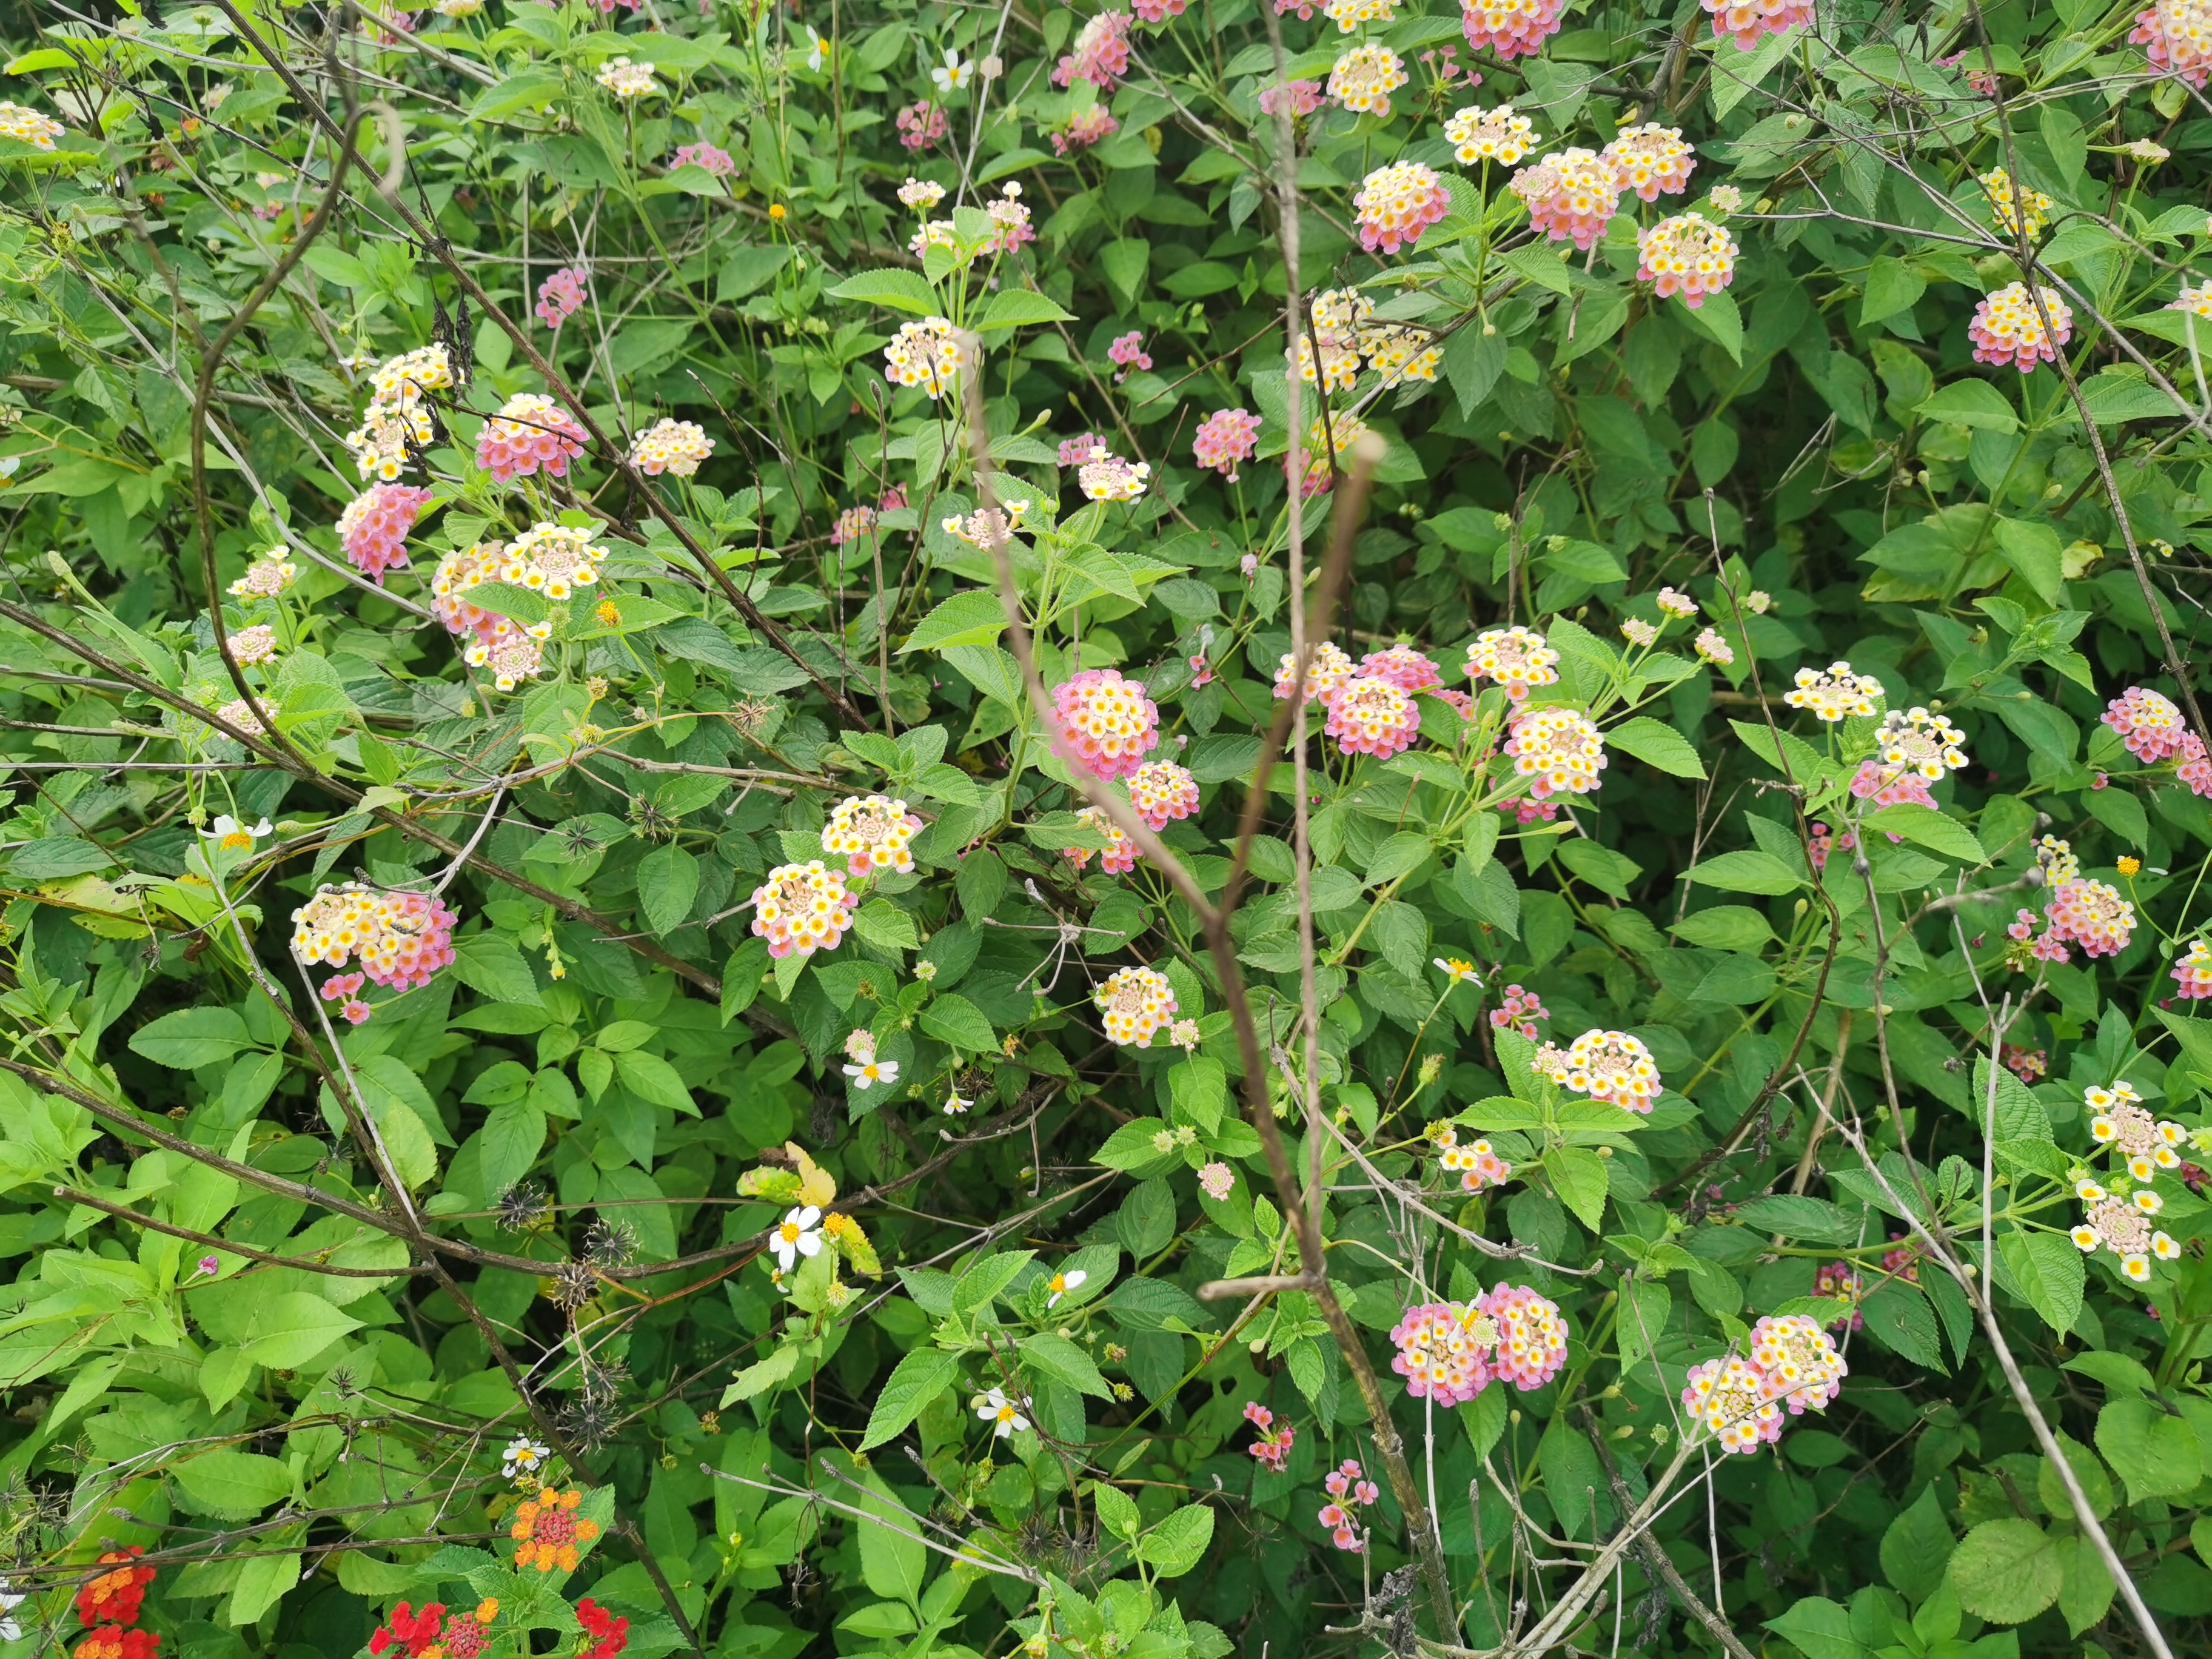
(810, 1243)
(806, 1217)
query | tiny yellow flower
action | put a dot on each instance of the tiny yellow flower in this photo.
(779, 212)
(607, 615)
(2129, 864)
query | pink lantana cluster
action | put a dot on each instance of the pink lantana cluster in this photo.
(1403, 666)
(714, 160)
(1085, 128)
(1373, 716)
(1101, 53)
(1476, 1163)
(1569, 196)
(802, 908)
(1104, 723)
(921, 123)
(1840, 1281)
(346, 988)
(1873, 782)
(1226, 440)
(531, 433)
(1825, 841)
(1451, 1352)
(2008, 327)
(1350, 1492)
(1690, 255)
(1272, 1446)
(1328, 672)
(2176, 35)
(373, 529)
(1074, 451)
(2148, 723)
(1120, 855)
(1651, 160)
(1396, 203)
(2092, 914)
(401, 938)
(1127, 352)
(560, 295)
(1300, 98)
(1521, 1010)
(1558, 750)
(1511, 28)
(1740, 1401)
(1161, 792)
(1749, 20)
(2193, 972)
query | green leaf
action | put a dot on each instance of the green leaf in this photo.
(2049, 1272)
(1793, 1215)
(894, 1561)
(1818, 1629)
(887, 927)
(1019, 307)
(1178, 1543)
(1746, 870)
(492, 964)
(954, 1020)
(1734, 927)
(1926, 827)
(1899, 1317)
(55, 857)
(191, 1038)
(1123, 263)
(285, 1331)
(988, 1277)
(762, 1375)
(2005, 1570)
(1117, 1510)
(1536, 263)
(899, 290)
(668, 883)
(2034, 550)
(1916, 1546)
(1578, 1175)
(1056, 1356)
(914, 1383)
(1719, 319)
(654, 1081)
(234, 1485)
(512, 1134)
(1658, 745)
(2156, 1453)
(970, 618)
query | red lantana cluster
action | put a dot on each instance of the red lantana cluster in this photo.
(111, 1602)
(416, 1632)
(117, 1596)
(611, 1632)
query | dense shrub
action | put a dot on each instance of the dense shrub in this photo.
(944, 831)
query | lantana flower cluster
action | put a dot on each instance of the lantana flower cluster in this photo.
(1476, 1163)
(1272, 1446)
(801, 908)
(1136, 1005)
(531, 433)
(401, 938)
(373, 529)
(1605, 1066)
(1742, 1400)
(1103, 722)
(1350, 1492)
(1451, 1352)
(874, 833)
(1119, 856)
